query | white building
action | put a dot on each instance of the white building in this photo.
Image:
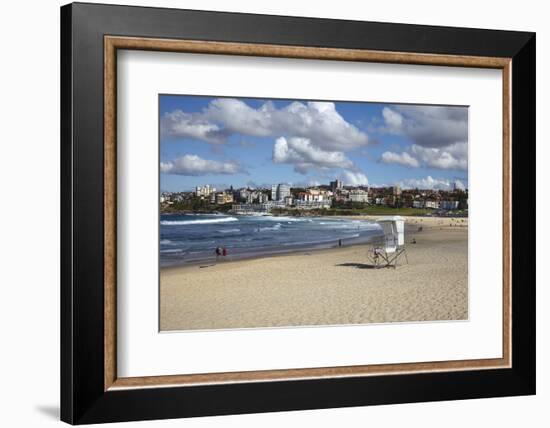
(274, 192)
(311, 205)
(204, 190)
(256, 208)
(315, 195)
(396, 190)
(279, 191)
(358, 196)
(224, 198)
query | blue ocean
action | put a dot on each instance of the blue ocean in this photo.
(193, 238)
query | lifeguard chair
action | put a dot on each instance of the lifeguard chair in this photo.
(389, 249)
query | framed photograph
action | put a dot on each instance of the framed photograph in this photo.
(266, 213)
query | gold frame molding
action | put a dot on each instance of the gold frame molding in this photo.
(113, 43)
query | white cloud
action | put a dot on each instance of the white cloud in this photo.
(428, 126)
(460, 185)
(392, 119)
(195, 165)
(237, 117)
(426, 183)
(180, 124)
(454, 156)
(403, 158)
(317, 121)
(351, 178)
(304, 155)
(439, 135)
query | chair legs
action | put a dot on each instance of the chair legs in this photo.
(391, 261)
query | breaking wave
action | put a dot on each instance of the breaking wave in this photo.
(200, 221)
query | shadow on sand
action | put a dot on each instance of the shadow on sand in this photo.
(358, 265)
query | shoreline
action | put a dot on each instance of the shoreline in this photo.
(304, 251)
(305, 213)
(411, 223)
(333, 286)
(245, 257)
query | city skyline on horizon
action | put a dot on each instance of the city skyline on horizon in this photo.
(454, 185)
(248, 142)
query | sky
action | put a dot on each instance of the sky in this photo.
(243, 142)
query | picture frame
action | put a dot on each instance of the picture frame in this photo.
(91, 391)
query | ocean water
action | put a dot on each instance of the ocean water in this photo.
(193, 238)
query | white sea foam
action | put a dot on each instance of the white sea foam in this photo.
(229, 230)
(266, 229)
(280, 218)
(200, 221)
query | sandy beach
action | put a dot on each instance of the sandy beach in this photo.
(325, 287)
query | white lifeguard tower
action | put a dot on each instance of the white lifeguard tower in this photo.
(391, 247)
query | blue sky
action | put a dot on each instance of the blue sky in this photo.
(245, 141)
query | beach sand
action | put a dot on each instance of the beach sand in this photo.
(325, 287)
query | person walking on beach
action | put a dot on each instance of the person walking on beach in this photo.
(224, 251)
(218, 253)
